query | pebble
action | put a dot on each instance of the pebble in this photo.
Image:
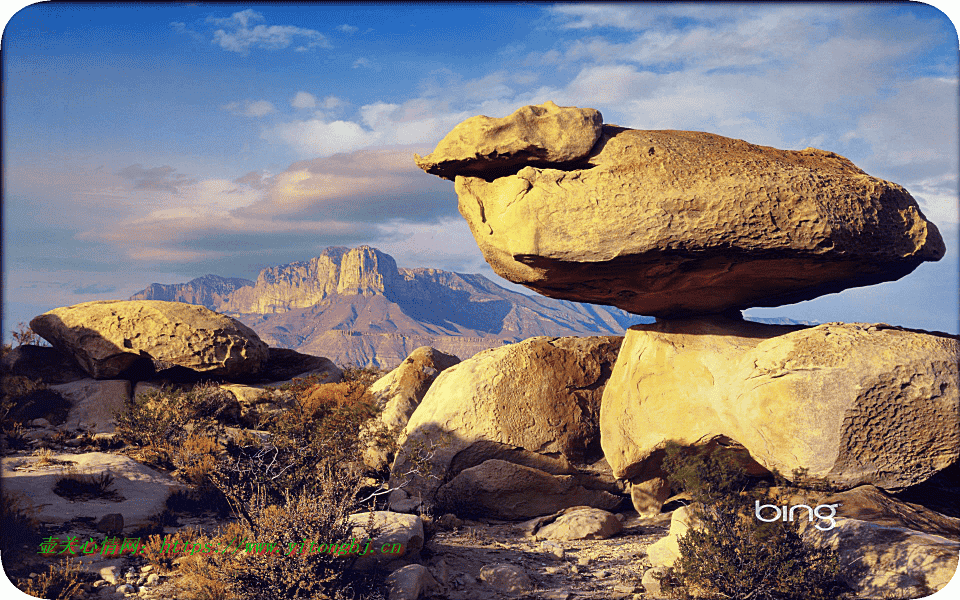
(153, 579)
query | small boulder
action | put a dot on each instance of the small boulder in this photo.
(94, 402)
(399, 538)
(506, 578)
(533, 135)
(582, 523)
(410, 583)
(111, 524)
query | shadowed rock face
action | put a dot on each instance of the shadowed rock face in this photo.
(676, 223)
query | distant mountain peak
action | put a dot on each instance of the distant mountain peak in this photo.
(355, 305)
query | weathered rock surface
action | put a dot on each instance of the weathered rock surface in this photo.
(533, 135)
(535, 403)
(140, 492)
(399, 392)
(94, 403)
(889, 560)
(410, 583)
(506, 578)
(285, 364)
(851, 403)
(108, 337)
(209, 290)
(581, 523)
(504, 490)
(675, 223)
(401, 535)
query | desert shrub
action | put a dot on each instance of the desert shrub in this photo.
(365, 376)
(160, 422)
(61, 581)
(81, 487)
(729, 553)
(23, 399)
(23, 335)
(265, 558)
(21, 530)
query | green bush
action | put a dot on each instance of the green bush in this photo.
(729, 553)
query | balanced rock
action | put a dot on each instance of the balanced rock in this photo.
(675, 223)
(851, 403)
(535, 403)
(533, 135)
(400, 391)
(108, 338)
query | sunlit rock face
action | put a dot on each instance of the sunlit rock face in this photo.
(676, 223)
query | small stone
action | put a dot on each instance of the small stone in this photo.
(40, 423)
(553, 549)
(111, 524)
(583, 561)
(153, 579)
(110, 574)
(146, 568)
(126, 589)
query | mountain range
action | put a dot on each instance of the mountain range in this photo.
(356, 306)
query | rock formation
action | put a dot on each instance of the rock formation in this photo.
(109, 337)
(673, 223)
(210, 291)
(851, 403)
(532, 409)
(357, 307)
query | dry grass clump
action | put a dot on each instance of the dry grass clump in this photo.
(61, 581)
(20, 529)
(79, 487)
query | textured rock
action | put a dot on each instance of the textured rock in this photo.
(503, 490)
(674, 223)
(111, 524)
(851, 403)
(209, 291)
(533, 135)
(889, 560)
(142, 491)
(665, 551)
(535, 403)
(399, 392)
(506, 578)
(582, 523)
(401, 532)
(285, 364)
(108, 337)
(94, 403)
(410, 583)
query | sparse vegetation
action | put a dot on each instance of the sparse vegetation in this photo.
(23, 335)
(729, 553)
(61, 581)
(80, 487)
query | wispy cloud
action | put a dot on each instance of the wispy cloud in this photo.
(348, 28)
(362, 62)
(250, 108)
(237, 35)
(304, 100)
(163, 178)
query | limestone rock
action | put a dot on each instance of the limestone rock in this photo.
(410, 583)
(94, 403)
(401, 535)
(535, 403)
(503, 490)
(889, 560)
(109, 337)
(676, 223)
(582, 523)
(399, 392)
(506, 578)
(142, 491)
(533, 135)
(665, 551)
(285, 364)
(851, 403)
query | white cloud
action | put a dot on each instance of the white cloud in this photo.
(362, 62)
(303, 100)
(348, 28)
(250, 108)
(238, 36)
(316, 137)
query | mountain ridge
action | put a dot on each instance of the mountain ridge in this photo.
(356, 306)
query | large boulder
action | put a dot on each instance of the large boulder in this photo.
(850, 403)
(533, 135)
(109, 338)
(94, 403)
(535, 403)
(676, 223)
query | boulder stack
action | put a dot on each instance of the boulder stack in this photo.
(691, 228)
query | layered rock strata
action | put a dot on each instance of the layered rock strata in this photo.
(674, 223)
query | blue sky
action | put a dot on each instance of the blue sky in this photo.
(157, 143)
